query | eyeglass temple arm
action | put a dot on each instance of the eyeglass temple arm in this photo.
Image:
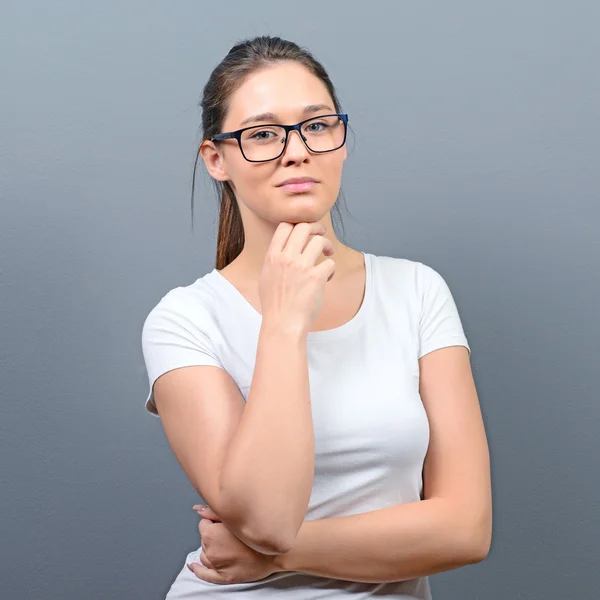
(223, 136)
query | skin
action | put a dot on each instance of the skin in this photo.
(451, 526)
(285, 90)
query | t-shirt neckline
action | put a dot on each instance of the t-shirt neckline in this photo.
(346, 328)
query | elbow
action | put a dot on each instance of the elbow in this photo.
(274, 546)
(278, 540)
(271, 543)
(477, 546)
(256, 531)
(484, 546)
(273, 536)
(266, 540)
(260, 530)
(477, 552)
(263, 533)
(270, 536)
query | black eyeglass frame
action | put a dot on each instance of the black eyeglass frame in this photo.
(297, 127)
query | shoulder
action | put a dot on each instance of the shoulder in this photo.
(410, 275)
(185, 306)
(181, 330)
(426, 296)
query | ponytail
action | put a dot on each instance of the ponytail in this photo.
(230, 238)
(243, 59)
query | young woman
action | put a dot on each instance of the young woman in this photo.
(319, 399)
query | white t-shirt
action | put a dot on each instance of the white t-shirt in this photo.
(371, 428)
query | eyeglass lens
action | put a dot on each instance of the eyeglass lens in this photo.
(321, 134)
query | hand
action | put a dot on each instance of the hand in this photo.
(291, 285)
(226, 559)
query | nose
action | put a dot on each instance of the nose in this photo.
(295, 150)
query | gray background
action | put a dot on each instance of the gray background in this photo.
(476, 150)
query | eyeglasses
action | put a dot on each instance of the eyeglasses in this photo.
(261, 143)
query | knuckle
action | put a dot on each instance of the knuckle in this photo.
(310, 228)
(284, 226)
(287, 259)
(206, 561)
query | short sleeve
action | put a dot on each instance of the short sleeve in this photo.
(171, 339)
(439, 325)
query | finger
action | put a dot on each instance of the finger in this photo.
(205, 574)
(316, 246)
(208, 513)
(301, 236)
(204, 525)
(326, 269)
(204, 560)
(280, 237)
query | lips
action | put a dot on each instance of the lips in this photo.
(298, 187)
(298, 184)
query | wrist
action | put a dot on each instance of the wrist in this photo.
(289, 330)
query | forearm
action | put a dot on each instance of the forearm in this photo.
(268, 471)
(392, 544)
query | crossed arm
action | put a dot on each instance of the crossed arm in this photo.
(450, 528)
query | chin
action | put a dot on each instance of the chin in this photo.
(300, 212)
(296, 208)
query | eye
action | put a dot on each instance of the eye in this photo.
(316, 127)
(262, 135)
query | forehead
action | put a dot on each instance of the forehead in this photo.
(284, 89)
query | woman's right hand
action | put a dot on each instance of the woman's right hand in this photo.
(291, 285)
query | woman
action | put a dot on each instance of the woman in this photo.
(319, 399)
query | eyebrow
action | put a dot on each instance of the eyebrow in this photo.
(269, 116)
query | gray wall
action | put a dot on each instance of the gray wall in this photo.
(476, 150)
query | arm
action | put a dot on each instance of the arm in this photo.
(450, 528)
(253, 462)
(391, 544)
(268, 470)
(230, 451)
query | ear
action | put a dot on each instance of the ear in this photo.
(213, 159)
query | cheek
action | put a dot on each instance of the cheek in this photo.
(251, 183)
(333, 171)
(242, 173)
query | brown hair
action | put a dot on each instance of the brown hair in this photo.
(242, 60)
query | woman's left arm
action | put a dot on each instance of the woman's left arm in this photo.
(451, 527)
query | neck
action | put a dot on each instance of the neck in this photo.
(259, 236)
